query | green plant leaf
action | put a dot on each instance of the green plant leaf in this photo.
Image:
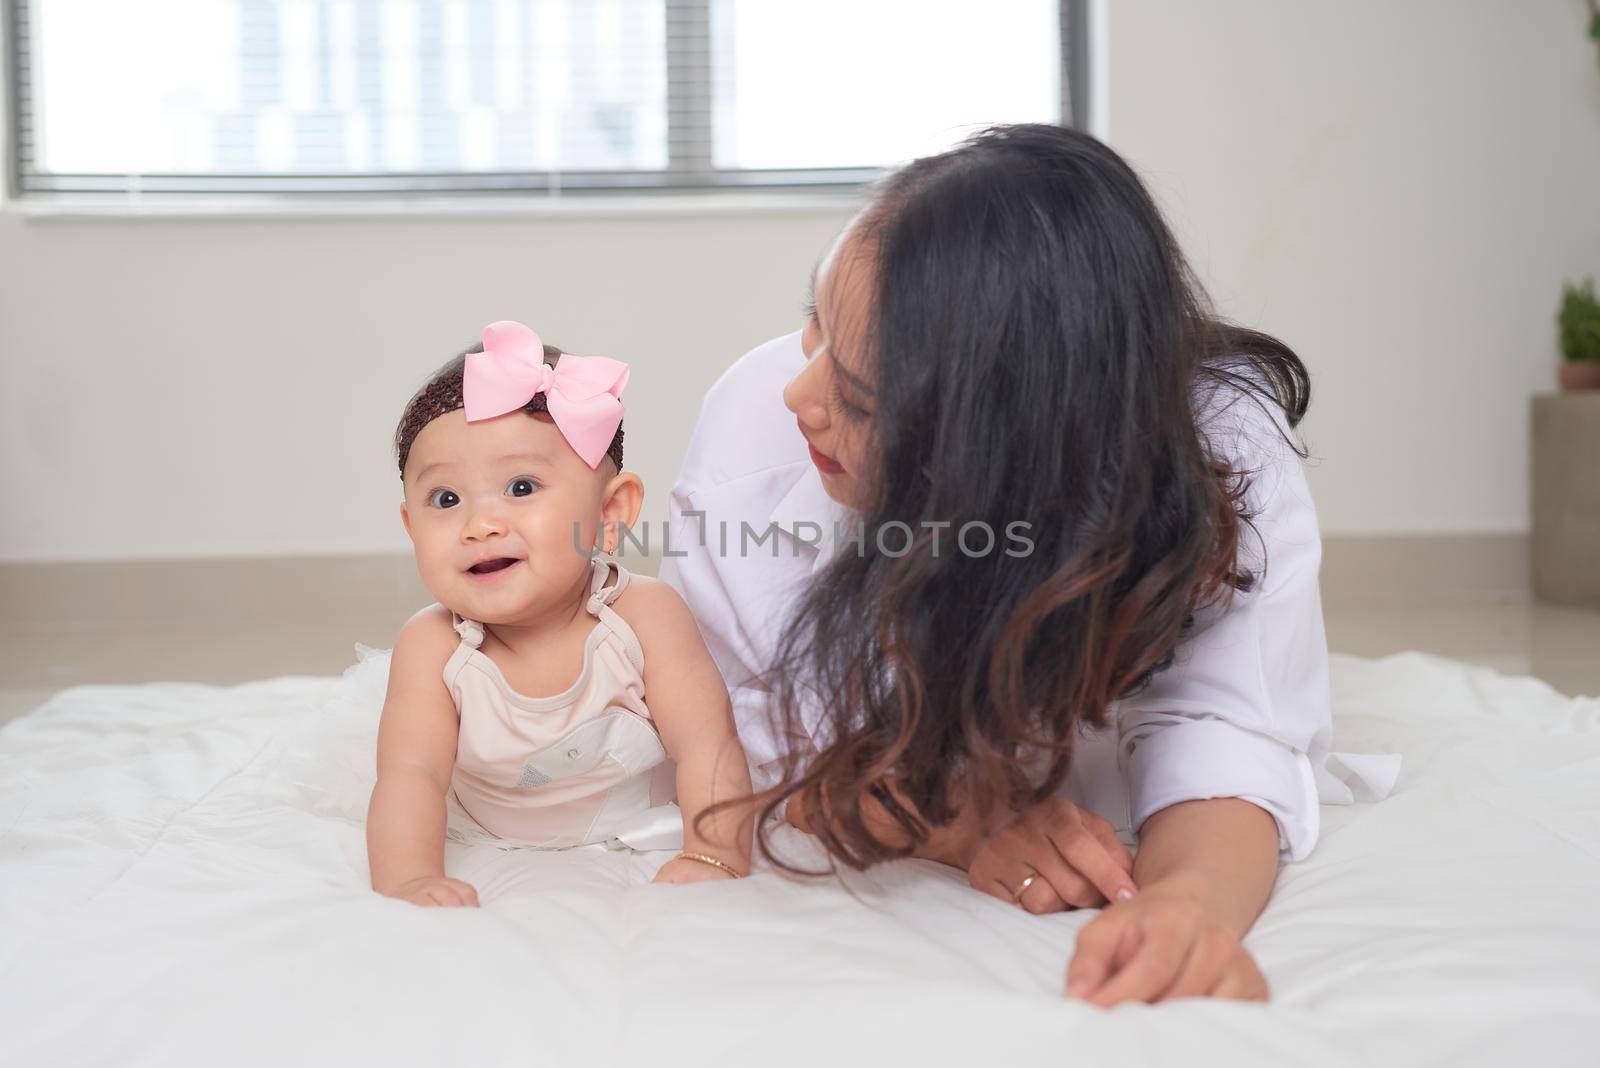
(1578, 322)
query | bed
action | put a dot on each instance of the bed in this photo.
(183, 880)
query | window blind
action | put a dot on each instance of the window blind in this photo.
(543, 96)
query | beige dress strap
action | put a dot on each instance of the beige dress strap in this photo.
(578, 767)
(600, 598)
(471, 632)
(599, 605)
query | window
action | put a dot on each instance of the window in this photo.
(549, 96)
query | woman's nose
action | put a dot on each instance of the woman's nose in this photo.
(806, 396)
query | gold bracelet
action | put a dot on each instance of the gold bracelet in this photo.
(713, 861)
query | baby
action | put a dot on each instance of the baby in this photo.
(539, 701)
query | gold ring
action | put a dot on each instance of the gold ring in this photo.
(1023, 889)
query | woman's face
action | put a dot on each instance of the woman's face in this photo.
(831, 396)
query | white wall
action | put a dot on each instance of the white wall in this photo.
(1395, 189)
(203, 387)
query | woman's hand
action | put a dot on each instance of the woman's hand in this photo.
(1067, 857)
(1158, 946)
(436, 890)
(684, 870)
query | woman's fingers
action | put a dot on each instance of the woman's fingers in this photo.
(1162, 953)
(1156, 949)
(1042, 898)
(1000, 868)
(985, 874)
(1105, 832)
(1066, 882)
(1003, 868)
(1204, 968)
(1090, 858)
(1242, 983)
(1095, 954)
(1075, 852)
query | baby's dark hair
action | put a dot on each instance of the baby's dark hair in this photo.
(442, 394)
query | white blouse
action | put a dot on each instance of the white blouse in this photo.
(1244, 711)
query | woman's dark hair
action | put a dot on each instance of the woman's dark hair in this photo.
(441, 393)
(1038, 351)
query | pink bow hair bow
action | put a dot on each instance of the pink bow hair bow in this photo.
(582, 393)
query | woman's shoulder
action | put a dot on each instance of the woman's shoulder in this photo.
(1245, 425)
(1241, 419)
(742, 426)
(773, 362)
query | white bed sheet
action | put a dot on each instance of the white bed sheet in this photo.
(183, 880)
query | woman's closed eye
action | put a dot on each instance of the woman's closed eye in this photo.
(852, 411)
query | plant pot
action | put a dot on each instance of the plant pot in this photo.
(1579, 374)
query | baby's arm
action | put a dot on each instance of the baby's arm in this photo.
(689, 702)
(416, 756)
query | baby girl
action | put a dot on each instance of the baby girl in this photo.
(542, 700)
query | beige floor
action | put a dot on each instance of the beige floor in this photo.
(1559, 645)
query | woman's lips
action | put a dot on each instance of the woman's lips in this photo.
(827, 465)
(492, 570)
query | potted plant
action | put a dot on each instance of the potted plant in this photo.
(1579, 327)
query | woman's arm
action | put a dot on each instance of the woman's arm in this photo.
(1222, 854)
(1218, 754)
(1245, 710)
(1205, 871)
(416, 756)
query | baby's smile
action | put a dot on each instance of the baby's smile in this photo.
(492, 569)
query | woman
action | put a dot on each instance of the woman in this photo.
(1046, 556)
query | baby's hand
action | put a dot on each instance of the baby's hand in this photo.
(684, 870)
(432, 890)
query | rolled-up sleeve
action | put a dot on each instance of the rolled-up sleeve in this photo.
(1245, 709)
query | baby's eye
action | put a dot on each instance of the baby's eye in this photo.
(443, 498)
(521, 487)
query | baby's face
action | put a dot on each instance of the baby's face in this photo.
(499, 512)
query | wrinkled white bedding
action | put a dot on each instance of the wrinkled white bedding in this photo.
(183, 880)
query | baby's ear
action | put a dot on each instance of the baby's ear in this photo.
(405, 518)
(624, 499)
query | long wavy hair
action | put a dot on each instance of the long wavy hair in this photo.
(1037, 350)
